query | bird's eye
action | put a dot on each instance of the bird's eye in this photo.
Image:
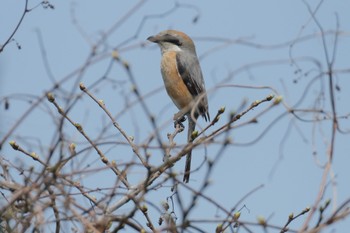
(177, 42)
(172, 39)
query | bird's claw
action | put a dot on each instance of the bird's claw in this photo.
(178, 122)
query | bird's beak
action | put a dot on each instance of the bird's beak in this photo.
(154, 39)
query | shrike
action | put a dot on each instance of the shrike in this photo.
(183, 81)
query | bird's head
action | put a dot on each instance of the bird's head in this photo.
(172, 40)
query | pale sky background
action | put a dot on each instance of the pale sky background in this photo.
(271, 25)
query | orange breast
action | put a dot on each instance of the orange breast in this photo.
(174, 85)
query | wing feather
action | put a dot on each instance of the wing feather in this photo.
(190, 71)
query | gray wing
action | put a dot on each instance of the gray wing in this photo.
(193, 79)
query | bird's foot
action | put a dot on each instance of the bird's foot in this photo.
(179, 122)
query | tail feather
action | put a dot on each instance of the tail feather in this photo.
(191, 128)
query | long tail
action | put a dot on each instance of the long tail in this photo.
(191, 128)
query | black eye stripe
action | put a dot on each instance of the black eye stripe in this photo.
(175, 41)
(172, 39)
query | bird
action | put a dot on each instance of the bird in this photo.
(183, 81)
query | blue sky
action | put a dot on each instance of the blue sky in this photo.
(264, 36)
